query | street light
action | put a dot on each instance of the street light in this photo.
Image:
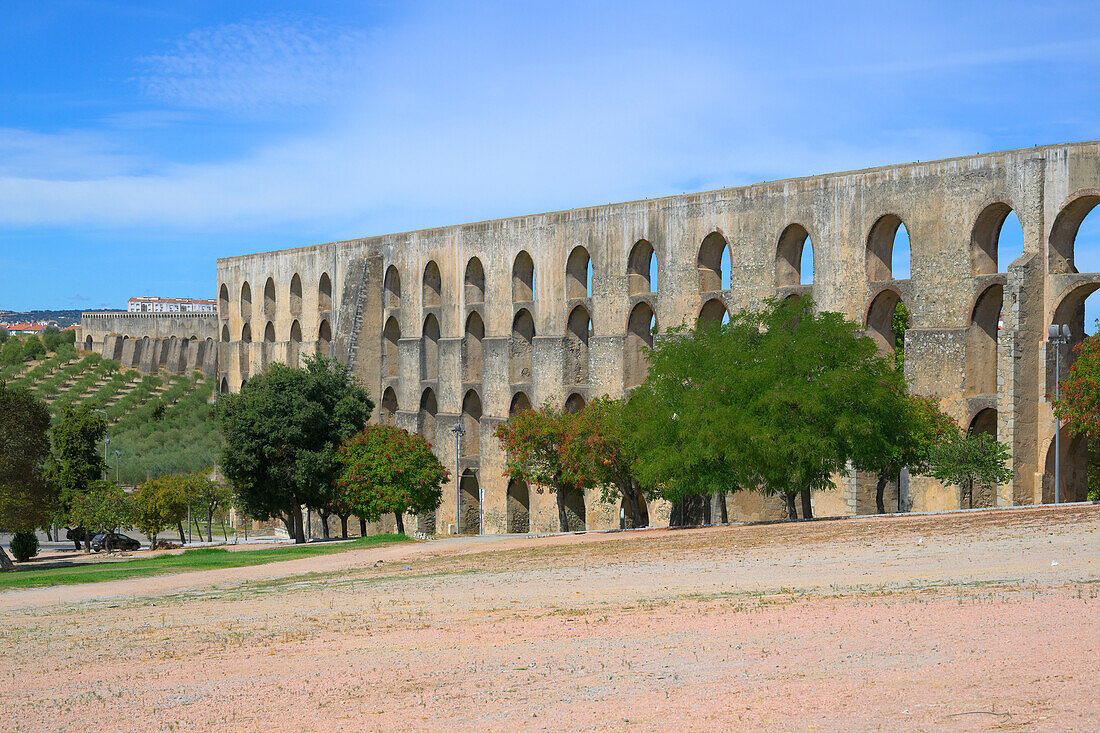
(458, 431)
(106, 442)
(118, 453)
(1057, 335)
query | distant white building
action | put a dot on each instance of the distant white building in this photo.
(171, 305)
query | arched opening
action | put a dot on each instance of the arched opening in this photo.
(888, 250)
(475, 281)
(641, 268)
(882, 317)
(981, 342)
(576, 518)
(981, 496)
(714, 264)
(392, 287)
(245, 349)
(269, 333)
(429, 348)
(269, 298)
(1074, 223)
(520, 402)
(246, 301)
(223, 301)
(224, 387)
(426, 417)
(387, 415)
(432, 286)
(324, 294)
(575, 403)
(794, 257)
(624, 511)
(640, 328)
(996, 240)
(225, 334)
(391, 335)
(519, 507)
(577, 333)
(713, 311)
(578, 270)
(295, 344)
(1076, 469)
(521, 349)
(295, 300)
(324, 339)
(471, 421)
(470, 499)
(523, 279)
(88, 341)
(471, 348)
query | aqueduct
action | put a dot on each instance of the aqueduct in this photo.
(466, 324)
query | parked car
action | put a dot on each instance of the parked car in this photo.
(114, 541)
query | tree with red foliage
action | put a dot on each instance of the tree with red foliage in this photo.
(1078, 404)
(386, 469)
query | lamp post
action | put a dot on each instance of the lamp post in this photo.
(118, 454)
(458, 431)
(1057, 335)
(106, 441)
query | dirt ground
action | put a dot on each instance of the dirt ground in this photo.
(966, 621)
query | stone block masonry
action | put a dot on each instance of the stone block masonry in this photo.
(468, 323)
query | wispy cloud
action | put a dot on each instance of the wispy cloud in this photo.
(262, 64)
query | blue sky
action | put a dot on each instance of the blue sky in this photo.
(141, 141)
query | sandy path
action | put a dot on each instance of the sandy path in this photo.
(918, 623)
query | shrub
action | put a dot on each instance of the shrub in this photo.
(12, 353)
(24, 546)
(33, 348)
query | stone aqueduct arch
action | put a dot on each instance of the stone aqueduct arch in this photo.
(559, 307)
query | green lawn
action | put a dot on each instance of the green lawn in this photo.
(204, 558)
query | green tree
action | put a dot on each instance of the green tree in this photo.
(33, 348)
(386, 469)
(597, 442)
(51, 337)
(27, 499)
(160, 503)
(904, 439)
(776, 400)
(208, 497)
(103, 507)
(11, 353)
(4, 336)
(281, 433)
(899, 324)
(535, 444)
(968, 460)
(76, 462)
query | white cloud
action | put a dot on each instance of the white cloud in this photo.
(263, 64)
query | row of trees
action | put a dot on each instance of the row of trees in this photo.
(776, 401)
(16, 351)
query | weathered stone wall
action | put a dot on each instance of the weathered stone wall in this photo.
(433, 321)
(179, 343)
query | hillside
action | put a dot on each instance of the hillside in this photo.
(159, 424)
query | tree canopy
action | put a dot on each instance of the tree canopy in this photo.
(27, 499)
(970, 460)
(76, 462)
(385, 469)
(776, 400)
(281, 433)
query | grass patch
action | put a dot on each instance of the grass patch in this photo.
(203, 558)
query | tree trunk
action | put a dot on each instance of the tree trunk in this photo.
(880, 488)
(807, 508)
(792, 510)
(183, 537)
(210, 523)
(299, 529)
(5, 561)
(362, 527)
(76, 538)
(722, 507)
(87, 542)
(400, 522)
(970, 492)
(344, 526)
(324, 523)
(563, 518)
(636, 517)
(153, 542)
(288, 522)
